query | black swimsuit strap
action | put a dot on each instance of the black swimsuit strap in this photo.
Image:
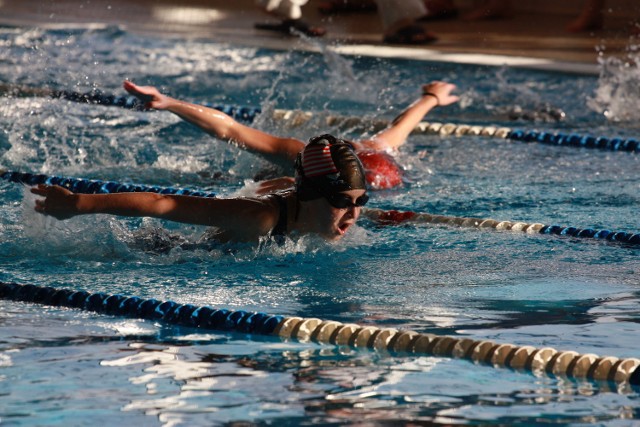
(281, 226)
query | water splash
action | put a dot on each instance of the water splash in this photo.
(618, 91)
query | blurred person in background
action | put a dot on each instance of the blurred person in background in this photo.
(591, 18)
(290, 14)
(482, 9)
(399, 18)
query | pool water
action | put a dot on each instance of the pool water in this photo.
(68, 367)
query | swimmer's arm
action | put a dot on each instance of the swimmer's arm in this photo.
(270, 186)
(397, 132)
(220, 125)
(244, 219)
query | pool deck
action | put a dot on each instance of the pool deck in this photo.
(528, 38)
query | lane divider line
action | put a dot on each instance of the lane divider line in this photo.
(395, 217)
(540, 361)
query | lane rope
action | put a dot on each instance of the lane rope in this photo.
(295, 118)
(395, 217)
(540, 361)
(97, 97)
(91, 186)
(380, 216)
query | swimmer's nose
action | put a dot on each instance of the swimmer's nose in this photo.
(354, 211)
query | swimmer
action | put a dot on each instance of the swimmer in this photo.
(382, 171)
(329, 192)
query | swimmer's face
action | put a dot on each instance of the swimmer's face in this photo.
(332, 222)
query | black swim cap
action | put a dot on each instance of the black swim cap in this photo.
(328, 165)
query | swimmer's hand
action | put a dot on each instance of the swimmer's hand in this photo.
(442, 91)
(277, 184)
(149, 95)
(58, 202)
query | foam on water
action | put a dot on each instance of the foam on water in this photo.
(618, 89)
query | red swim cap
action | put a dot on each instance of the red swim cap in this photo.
(381, 170)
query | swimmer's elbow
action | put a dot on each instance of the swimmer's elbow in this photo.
(377, 144)
(286, 148)
(226, 129)
(160, 206)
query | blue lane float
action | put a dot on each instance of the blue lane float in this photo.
(150, 309)
(88, 186)
(97, 97)
(631, 145)
(541, 361)
(380, 216)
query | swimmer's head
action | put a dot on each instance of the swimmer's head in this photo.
(381, 170)
(328, 166)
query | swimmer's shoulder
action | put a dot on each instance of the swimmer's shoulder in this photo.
(269, 210)
(283, 205)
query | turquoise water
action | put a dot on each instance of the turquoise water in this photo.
(66, 367)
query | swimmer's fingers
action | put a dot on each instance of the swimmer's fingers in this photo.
(146, 94)
(40, 190)
(40, 207)
(46, 190)
(134, 89)
(149, 95)
(439, 87)
(438, 84)
(443, 91)
(41, 204)
(57, 201)
(449, 99)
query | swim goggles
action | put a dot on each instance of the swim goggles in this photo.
(340, 200)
